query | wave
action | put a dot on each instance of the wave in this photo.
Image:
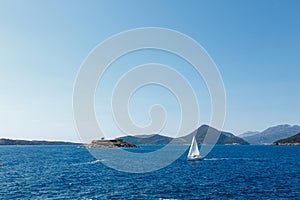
(95, 161)
(88, 163)
(228, 159)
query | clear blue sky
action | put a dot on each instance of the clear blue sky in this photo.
(255, 45)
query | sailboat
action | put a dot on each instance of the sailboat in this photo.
(194, 153)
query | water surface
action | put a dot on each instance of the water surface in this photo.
(235, 172)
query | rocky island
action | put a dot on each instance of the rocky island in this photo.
(290, 141)
(117, 143)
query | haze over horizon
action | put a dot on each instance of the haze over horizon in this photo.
(255, 46)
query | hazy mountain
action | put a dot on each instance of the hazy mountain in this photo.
(248, 133)
(272, 134)
(225, 137)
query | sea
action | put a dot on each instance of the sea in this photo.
(227, 172)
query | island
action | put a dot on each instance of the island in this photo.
(290, 141)
(116, 143)
(34, 142)
(224, 138)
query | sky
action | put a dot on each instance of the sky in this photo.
(255, 45)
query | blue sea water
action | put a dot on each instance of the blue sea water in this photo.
(228, 172)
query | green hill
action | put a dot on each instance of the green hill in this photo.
(293, 140)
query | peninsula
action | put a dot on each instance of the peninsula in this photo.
(290, 141)
(34, 142)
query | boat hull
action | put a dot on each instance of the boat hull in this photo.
(194, 158)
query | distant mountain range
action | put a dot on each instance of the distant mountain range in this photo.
(248, 133)
(271, 134)
(200, 133)
(34, 142)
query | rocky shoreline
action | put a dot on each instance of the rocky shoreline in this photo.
(287, 144)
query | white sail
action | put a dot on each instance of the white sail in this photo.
(194, 153)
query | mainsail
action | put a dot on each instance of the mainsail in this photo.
(194, 151)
